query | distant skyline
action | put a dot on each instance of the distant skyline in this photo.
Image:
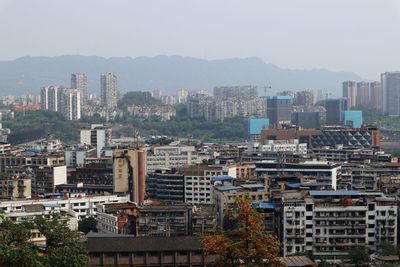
(358, 36)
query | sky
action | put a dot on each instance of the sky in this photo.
(361, 36)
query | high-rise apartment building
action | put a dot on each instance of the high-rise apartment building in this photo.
(362, 98)
(59, 99)
(71, 104)
(304, 98)
(350, 92)
(376, 95)
(279, 110)
(79, 81)
(50, 98)
(109, 90)
(391, 93)
(236, 91)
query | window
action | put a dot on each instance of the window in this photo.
(309, 207)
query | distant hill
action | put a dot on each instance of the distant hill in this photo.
(167, 73)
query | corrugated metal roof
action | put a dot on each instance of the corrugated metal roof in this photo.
(222, 178)
(334, 193)
(227, 188)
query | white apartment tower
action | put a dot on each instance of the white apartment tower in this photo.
(79, 81)
(71, 104)
(50, 98)
(109, 90)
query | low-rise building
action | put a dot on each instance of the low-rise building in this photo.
(15, 186)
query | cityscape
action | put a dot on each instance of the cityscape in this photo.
(98, 171)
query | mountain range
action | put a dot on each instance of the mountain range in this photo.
(26, 75)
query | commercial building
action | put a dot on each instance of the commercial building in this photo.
(306, 120)
(391, 93)
(279, 110)
(291, 145)
(254, 128)
(97, 135)
(350, 92)
(334, 109)
(352, 118)
(79, 82)
(129, 172)
(109, 90)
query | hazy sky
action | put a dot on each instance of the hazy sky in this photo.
(362, 36)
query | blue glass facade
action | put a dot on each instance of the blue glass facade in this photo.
(255, 126)
(352, 118)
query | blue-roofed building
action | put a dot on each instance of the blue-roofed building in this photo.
(254, 128)
(279, 110)
(352, 118)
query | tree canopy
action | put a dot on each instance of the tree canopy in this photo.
(246, 243)
(61, 250)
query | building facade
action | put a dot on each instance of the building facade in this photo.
(109, 90)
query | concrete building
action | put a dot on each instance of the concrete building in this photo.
(172, 157)
(376, 95)
(97, 135)
(50, 98)
(109, 90)
(166, 185)
(236, 91)
(75, 155)
(352, 118)
(71, 104)
(117, 218)
(350, 92)
(279, 110)
(46, 178)
(165, 220)
(312, 170)
(306, 120)
(225, 197)
(391, 93)
(291, 145)
(199, 182)
(129, 172)
(14, 187)
(79, 82)
(334, 109)
(84, 206)
(330, 223)
(120, 250)
(363, 95)
(304, 98)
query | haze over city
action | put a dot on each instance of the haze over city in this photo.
(356, 36)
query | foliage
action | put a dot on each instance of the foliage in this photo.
(61, 250)
(246, 244)
(137, 98)
(31, 125)
(323, 263)
(386, 249)
(88, 224)
(359, 255)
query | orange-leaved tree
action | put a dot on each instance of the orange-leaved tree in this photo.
(245, 243)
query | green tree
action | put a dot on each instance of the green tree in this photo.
(386, 249)
(359, 256)
(62, 248)
(246, 244)
(88, 224)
